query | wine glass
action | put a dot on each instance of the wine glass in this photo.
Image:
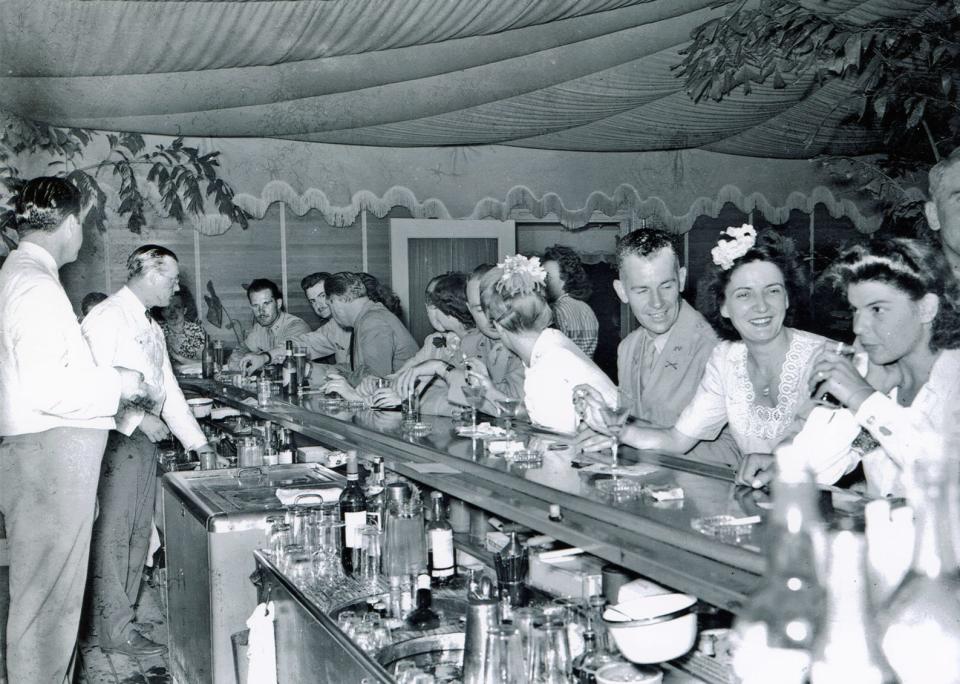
(474, 394)
(614, 419)
(508, 408)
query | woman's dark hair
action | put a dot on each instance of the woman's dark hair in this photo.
(187, 303)
(914, 267)
(448, 293)
(773, 248)
(44, 203)
(576, 283)
(379, 292)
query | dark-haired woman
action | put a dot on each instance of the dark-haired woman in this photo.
(756, 379)
(181, 329)
(906, 316)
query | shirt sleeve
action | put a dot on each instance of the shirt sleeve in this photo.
(901, 435)
(176, 412)
(44, 360)
(705, 416)
(826, 440)
(376, 347)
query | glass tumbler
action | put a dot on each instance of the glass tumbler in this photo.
(550, 655)
(504, 657)
(369, 555)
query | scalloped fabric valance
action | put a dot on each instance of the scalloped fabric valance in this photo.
(590, 75)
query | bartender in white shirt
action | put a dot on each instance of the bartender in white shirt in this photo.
(120, 330)
(56, 407)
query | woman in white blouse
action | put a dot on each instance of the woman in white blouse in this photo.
(906, 316)
(756, 379)
(514, 298)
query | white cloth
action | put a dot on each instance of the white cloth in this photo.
(121, 334)
(557, 365)
(726, 395)
(903, 432)
(262, 646)
(48, 378)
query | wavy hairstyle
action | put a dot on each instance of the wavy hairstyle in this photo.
(576, 283)
(773, 248)
(521, 311)
(914, 267)
(379, 292)
(448, 293)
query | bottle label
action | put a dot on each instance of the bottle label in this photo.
(352, 524)
(285, 456)
(441, 546)
(285, 375)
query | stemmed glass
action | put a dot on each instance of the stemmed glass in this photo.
(614, 419)
(474, 394)
(508, 408)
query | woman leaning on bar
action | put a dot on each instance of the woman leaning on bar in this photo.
(514, 298)
(906, 318)
(757, 378)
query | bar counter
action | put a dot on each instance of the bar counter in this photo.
(651, 538)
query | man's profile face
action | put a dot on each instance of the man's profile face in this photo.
(164, 281)
(266, 309)
(341, 310)
(651, 286)
(318, 300)
(943, 211)
(554, 280)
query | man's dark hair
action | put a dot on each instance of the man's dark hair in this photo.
(644, 243)
(309, 281)
(90, 300)
(379, 292)
(261, 284)
(575, 280)
(346, 285)
(45, 203)
(147, 258)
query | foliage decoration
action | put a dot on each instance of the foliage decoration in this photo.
(184, 178)
(906, 75)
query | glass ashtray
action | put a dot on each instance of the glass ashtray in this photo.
(524, 458)
(619, 488)
(417, 428)
(726, 528)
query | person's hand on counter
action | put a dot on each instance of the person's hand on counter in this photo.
(207, 450)
(253, 361)
(756, 470)
(369, 385)
(590, 440)
(154, 428)
(338, 384)
(406, 380)
(385, 397)
(589, 405)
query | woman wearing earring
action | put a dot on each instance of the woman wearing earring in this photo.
(514, 299)
(906, 316)
(756, 379)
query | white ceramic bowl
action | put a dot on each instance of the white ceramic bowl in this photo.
(201, 406)
(662, 627)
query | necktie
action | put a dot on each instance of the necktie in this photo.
(644, 364)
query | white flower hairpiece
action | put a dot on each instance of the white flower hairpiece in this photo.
(727, 251)
(521, 275)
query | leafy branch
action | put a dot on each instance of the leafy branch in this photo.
(184, 178)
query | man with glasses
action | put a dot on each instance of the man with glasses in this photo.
(120, 331)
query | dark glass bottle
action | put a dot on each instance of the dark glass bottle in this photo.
(290, 378)
(376, 500)
(441, 560)
(423, 617)
(207, 363)
(353, 509)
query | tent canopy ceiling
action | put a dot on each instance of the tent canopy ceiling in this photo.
(585, 75)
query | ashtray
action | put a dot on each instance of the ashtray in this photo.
(619, 488)
(726, 528)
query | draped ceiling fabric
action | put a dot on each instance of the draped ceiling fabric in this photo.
(578, 75)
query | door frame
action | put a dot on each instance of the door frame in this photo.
(402, 230)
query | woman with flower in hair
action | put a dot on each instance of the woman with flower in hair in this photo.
(906, 316)
(756, 378)
(514, 299)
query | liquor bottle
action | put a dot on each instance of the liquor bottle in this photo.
(920, 633)
(353, 509)
(585, 665)
(376, 501)
(846, 649)
(423, 617)
(440, 543)
(218, 357)
(207, 359)
(774, 635)
(290, 379)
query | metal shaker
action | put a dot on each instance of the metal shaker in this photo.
(483, 615)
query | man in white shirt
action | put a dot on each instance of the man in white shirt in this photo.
(272, 326)
(120, 330)
(56, 406)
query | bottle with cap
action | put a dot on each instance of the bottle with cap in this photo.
(440, 544)
(353, 509)
(289, 375)
(774, 635)
(423, 617)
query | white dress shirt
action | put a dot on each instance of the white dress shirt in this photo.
(120, 333)
(48, 378)
(557, 365)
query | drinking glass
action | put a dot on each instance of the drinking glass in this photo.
(369, 555)
(504, 657)
(548, 664)
(278, 537)
(614, 419)
(298, 565)
(474, 395)
(508, 409)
